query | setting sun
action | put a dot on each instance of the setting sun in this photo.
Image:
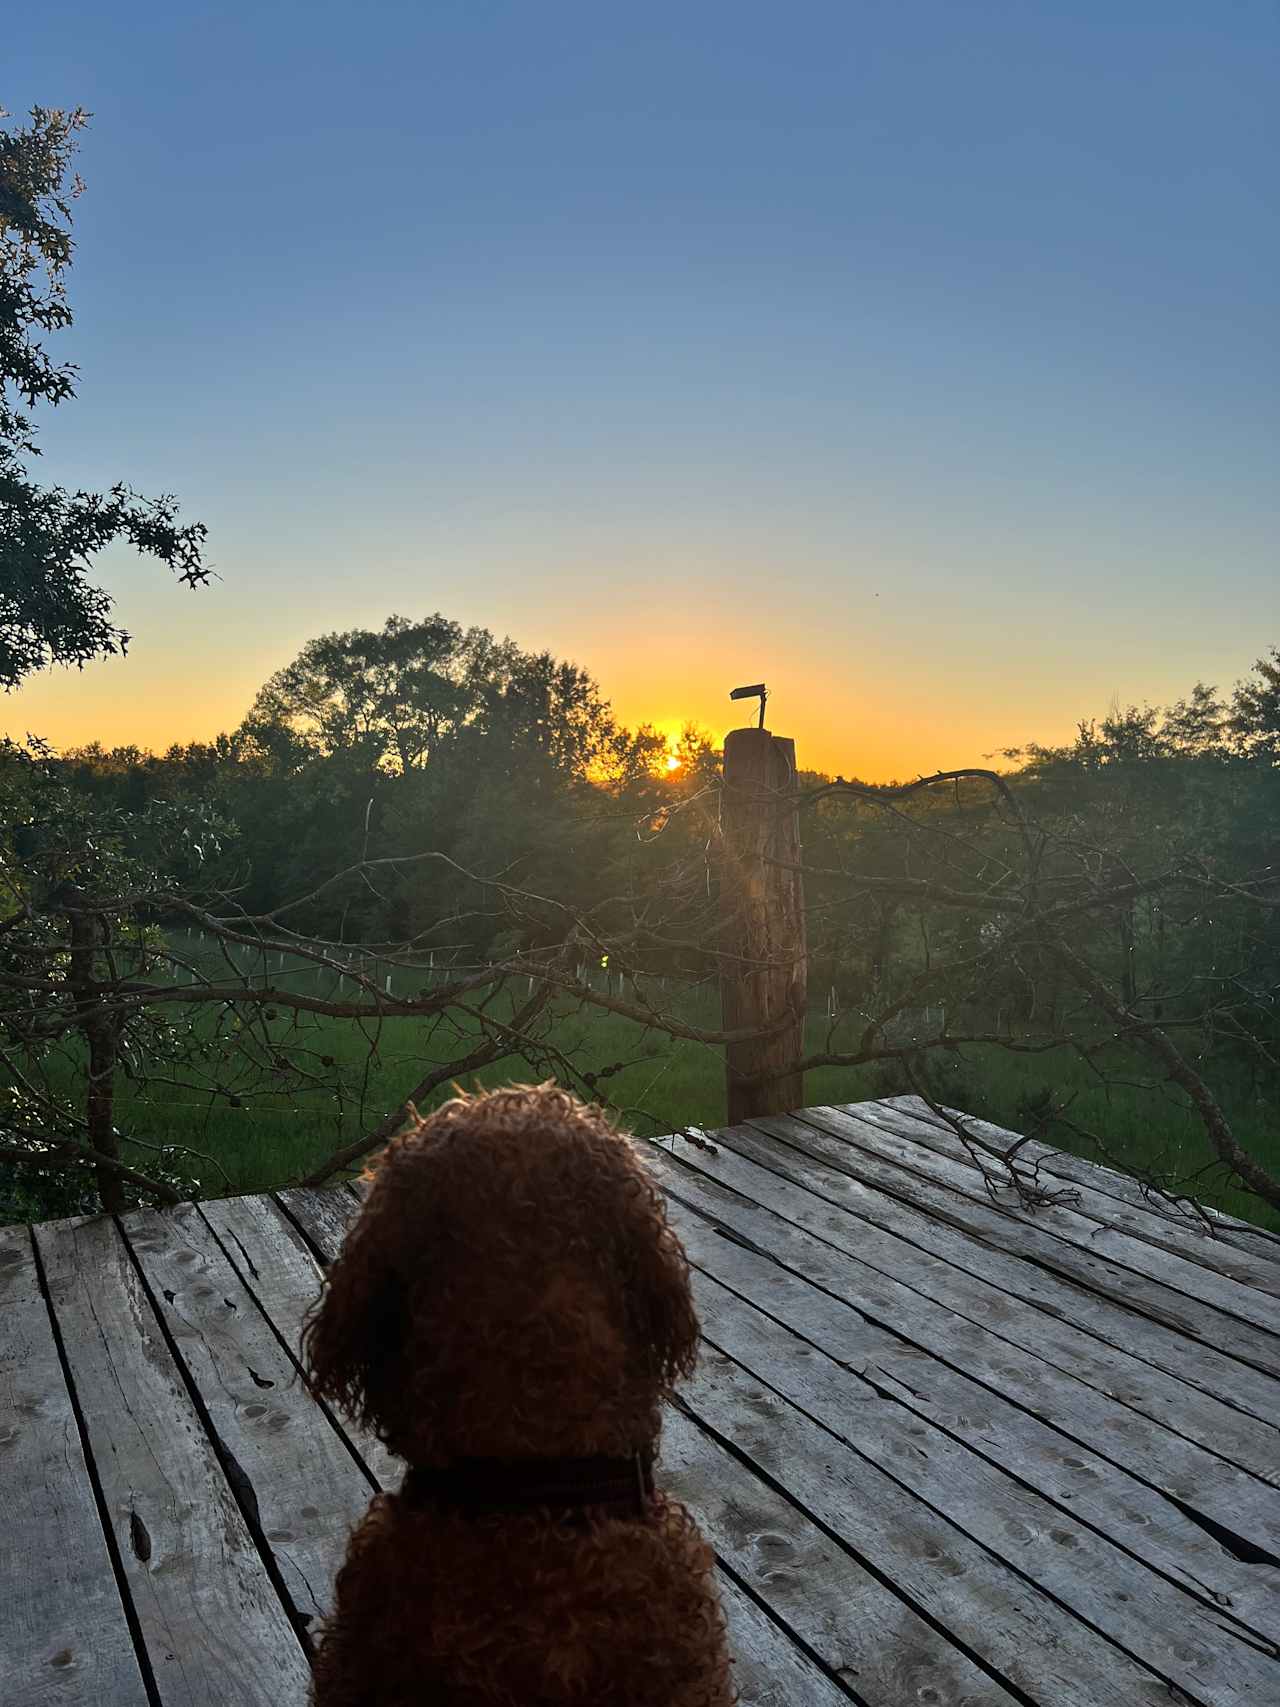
(673, 763)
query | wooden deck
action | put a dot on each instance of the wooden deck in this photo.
(947, 1452)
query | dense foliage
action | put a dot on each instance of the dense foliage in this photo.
(439, 796)
(418, 736)
(50, 611)
(422, 736)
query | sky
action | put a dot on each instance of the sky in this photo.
(918, 358)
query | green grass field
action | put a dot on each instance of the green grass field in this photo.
(272, 1138)
(247, 1133)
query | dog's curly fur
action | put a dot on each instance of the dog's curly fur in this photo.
(512, 1290)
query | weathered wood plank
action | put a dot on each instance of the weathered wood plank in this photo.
(1022, 1634)
(769, 1670)
(869, 1637)
(1041, 1277)
(65, 1634)
(1247, 1253)
(1234, 1359)
(1093, 1416)
(1198, 1301)
(1111, 1181)
(276, 1265)
(1131, 1513)
(215, 1631)
(1019, 1302)
(322, 1213)
(293, 1471)
(1107, 1588)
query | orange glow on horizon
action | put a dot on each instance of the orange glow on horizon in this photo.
(872, 728)
(72, 710)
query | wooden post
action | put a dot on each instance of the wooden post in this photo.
(88, 931)
(763, 966)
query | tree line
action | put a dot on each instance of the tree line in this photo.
(438, 797)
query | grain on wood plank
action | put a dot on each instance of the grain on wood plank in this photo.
(323, 1213)
(769, 1670)
(293, 1470)
(216, 1633)
(860, 1629)
(833, 1171)
(1112, 1181)
(1020, 1632)
(1151, 1619)
(66, 1637)
(1197, 1300)
(1019, 1302)
(1224, 1243)
(276, 1265)
(1180, 1468)
(1100, 1493)
(1235, 1360)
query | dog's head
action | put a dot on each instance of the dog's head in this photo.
(511, 1288)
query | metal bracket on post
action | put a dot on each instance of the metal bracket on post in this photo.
(756, 691)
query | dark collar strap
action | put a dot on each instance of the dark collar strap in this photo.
(620, 1486)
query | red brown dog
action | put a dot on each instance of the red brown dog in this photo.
(508, 1314)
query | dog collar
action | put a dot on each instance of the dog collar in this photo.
(620, 1487)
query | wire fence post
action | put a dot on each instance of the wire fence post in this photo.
(763, 959)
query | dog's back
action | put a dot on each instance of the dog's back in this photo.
(464, 1611)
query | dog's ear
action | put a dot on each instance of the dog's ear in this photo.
(354, 1334)
(661, 1300)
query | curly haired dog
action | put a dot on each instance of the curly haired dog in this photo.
(508, 1314)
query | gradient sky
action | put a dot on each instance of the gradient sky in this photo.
(920, 358)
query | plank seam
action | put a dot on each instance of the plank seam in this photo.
(1217, 1221)
(312, 1245)
(1176, 1691)
(1091, 1443)
(1236, 1545)
(132, 1620)
(797, 1641)
(1161, 1238)
(1027, 1303)
(237, 1480)
(1061, 1276)
(846, 1546)
(288, 1349)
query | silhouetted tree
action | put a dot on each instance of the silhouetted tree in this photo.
(50, 612)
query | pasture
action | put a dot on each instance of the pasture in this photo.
(239, 1134)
